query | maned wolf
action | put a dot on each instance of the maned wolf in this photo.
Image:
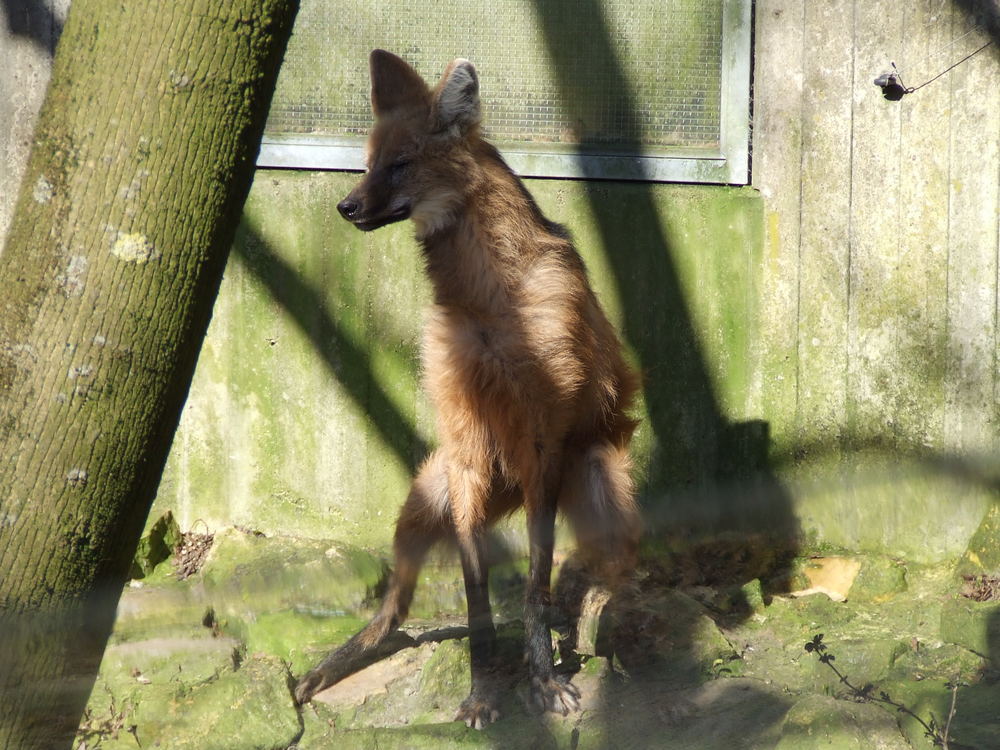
(524, 369)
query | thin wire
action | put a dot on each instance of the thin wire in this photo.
(951, 67)
(909, 64)
(950, 44)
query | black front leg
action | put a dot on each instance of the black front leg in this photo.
(480, 708)
(549, 692)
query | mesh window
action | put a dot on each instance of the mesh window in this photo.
(566, 76)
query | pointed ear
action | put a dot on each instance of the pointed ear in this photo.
(456, 98)
(394, 83)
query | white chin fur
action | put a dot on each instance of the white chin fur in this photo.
(434, 213)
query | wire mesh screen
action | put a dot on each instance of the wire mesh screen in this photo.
(607, 75)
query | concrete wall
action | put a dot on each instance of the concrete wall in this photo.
(881, 223)
(820, 350)
(880, 309)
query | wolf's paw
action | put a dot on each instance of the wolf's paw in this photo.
(477, 711)
(554, 694)
(309, 685)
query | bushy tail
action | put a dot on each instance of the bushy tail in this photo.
(598, 498)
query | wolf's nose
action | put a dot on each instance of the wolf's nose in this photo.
(348, 208)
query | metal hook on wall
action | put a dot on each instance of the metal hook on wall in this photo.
(892, 85)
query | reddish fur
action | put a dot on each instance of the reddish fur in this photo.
(531, 390)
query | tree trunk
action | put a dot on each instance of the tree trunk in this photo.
(143, 156)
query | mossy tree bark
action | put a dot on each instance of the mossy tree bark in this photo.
(142, 159)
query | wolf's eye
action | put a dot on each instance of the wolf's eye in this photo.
(396, 171)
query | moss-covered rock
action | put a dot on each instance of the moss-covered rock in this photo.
(669, 632)
(251, 707)
(286, 597)
(718, 715)
(446, 675)
(863, 578)
(753, 596)
(879, 579)
(975, 722)
(157, 611)
(973, 625)
(821, 722)
(425, 682)
(207, 662)
(885, 502)
(172, 693)
(179, 664)
(867, 637)
(983, 553)
(299, 640)
(156, 545)
(444, 736)
(247, 572)
(934, 660)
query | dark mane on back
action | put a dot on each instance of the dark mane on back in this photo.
(552, 227)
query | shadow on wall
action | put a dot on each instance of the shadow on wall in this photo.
(697, 450)
(348, 362)
(33, 20)
(985, 13)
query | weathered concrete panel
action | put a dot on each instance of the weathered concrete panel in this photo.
(303, 413)
(777, 153)
(825, 221)
(873, 235)
(896, 214)
(971, 417)
(922, 272)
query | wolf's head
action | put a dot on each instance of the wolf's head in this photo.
(418, 154)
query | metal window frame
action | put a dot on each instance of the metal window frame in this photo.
(729, 164)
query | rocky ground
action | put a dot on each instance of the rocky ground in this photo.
(207, 645)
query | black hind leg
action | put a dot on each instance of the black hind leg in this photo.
(549, 692)
(480, 708)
